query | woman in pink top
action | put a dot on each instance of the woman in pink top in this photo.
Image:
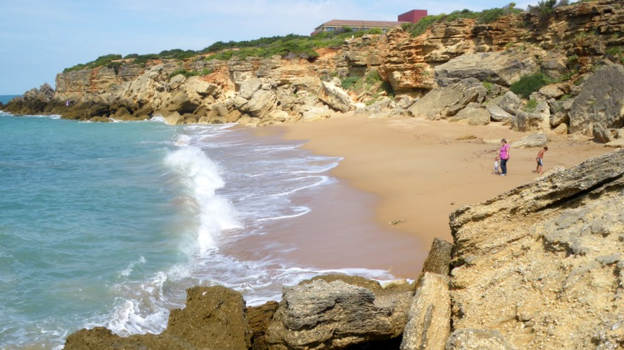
(504, 156)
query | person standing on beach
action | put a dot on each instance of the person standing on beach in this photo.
(540, 160)
(504, 157)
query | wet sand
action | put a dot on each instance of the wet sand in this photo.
(418, 172)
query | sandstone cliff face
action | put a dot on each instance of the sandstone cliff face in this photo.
(569, 46)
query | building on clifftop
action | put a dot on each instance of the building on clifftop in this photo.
(412, 16)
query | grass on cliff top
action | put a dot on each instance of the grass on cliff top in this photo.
(485, 16)
(289, 46)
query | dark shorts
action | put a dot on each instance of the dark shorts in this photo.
(539, 162)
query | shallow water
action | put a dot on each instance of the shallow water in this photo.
(108, 224)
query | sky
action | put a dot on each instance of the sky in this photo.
(40, 38)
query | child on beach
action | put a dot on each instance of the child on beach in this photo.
(540, 160)
(496, 168)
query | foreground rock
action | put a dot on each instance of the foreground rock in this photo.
(542, 265)
(428, 326)
(213, 319)
(338, 313)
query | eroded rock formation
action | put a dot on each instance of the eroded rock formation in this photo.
(571, 46)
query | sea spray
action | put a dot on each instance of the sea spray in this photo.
(201, 178)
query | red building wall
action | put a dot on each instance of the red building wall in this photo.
(413, 16)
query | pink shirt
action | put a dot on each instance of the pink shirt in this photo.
(504, 152)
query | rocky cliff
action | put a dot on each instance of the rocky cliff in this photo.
(538, 267)
(575, 53)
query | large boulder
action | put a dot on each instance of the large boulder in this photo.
(538, 120)
(543, 264)
(337, 312)
(472, 114)
(531, 141)
(336, 98)
(439, 258)
(256, 98)
(503, 67)
(429, 321)
(510, 103)
(444, 102)
(600, 101)
(601, 134)
(498, 114)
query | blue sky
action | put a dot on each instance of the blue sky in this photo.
(40, 38)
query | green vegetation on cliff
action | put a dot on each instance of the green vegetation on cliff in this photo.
(289, 46)
(485, 16)
(99, 62)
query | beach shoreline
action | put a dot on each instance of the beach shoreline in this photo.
(420, 171)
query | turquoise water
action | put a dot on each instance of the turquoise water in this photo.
(80, 203)
(107, 224)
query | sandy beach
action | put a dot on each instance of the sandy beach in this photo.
(419, 171)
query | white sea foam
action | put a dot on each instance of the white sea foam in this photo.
(322, 180)
(182, 140)
(158, 119)
(128, 270)
(201, 177)
(51, 116)
(300, 211)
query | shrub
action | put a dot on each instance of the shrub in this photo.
(544, 8)
(177, 54)
(531, 105)
(373, 77)
(485, 16)
(131, 55)
(529, 84)
(184, 72)
(488, 86)
(143, 59)
(349, 82)
(99, 62)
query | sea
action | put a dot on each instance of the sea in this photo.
(107, 224)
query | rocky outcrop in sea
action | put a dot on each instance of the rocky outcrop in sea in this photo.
(538, 267)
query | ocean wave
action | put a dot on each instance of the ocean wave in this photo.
(201, 177)
(322, 180)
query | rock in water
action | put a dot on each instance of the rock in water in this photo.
(213, 319)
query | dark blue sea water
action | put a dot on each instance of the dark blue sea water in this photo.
(6, 98)
(107, 224)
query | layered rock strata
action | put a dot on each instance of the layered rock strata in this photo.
(569, 46)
